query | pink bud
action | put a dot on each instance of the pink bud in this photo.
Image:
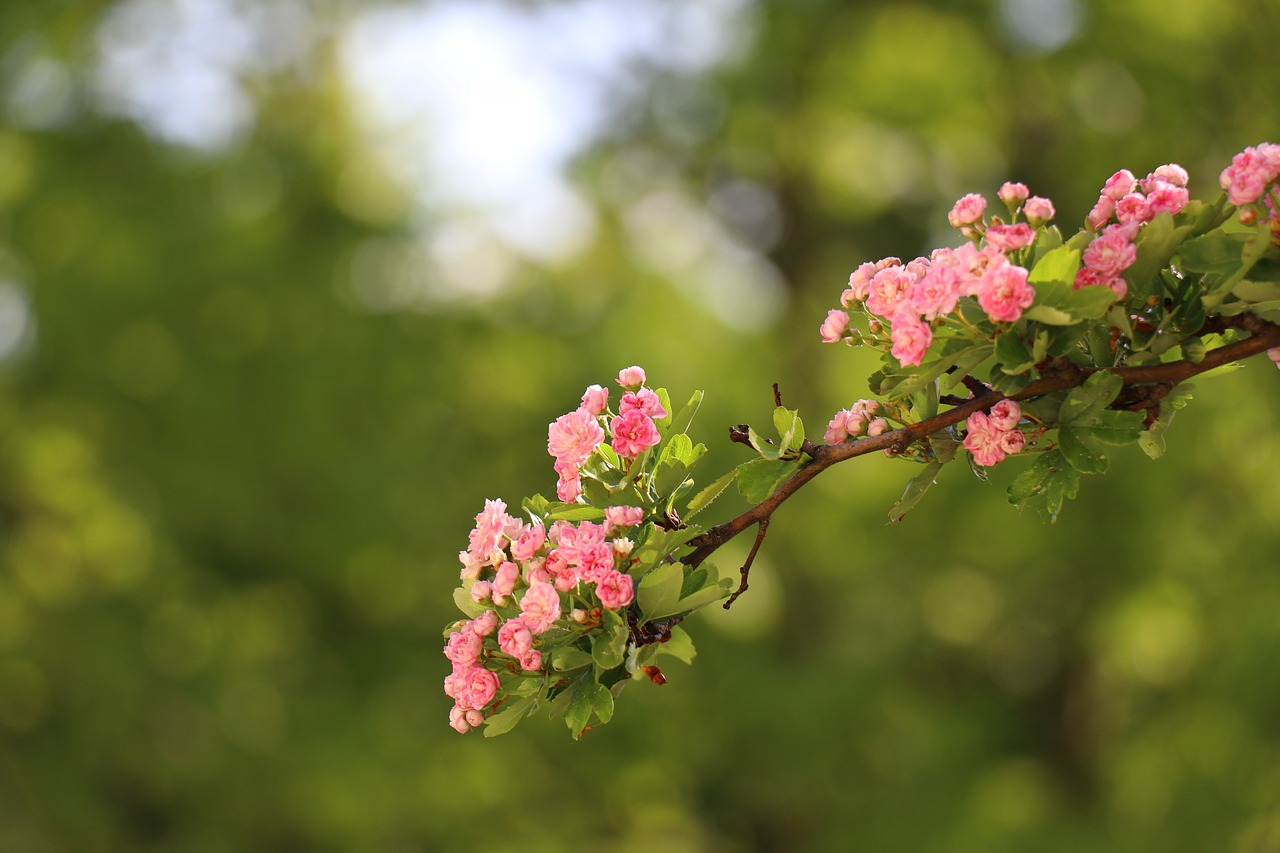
(481, 591)
(631, 377)
(595, 399)
(878, 426)
(1013, 194)
(1039, 210)
(833, 328)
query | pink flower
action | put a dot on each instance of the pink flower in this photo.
(936, 294)
(514, 638)
(1119, 185)
(1170, 173)
(833, 328)
(464, 646)
(1005, 294)
(983, 440)
(595, 399)
(486, 537)
(481, 591)
(878, 426)
(504, 581)
(645, 401)
(475, 687)
(615, 590)
(1012, 442)
(844, 425)
(632, 433)
(569, 484)
(1133, 208)
(1274, 355)
(471, 565)
(594, 560)
(485, 624)
(911, 338)
(1111, 253)
(1009, 238)
(968, 210)
(1101, 213)
(1013, 194)
(531, 661)
(1039, 210)
(631, 377)
(859, 284)
(574, 437)
(622, 547)
(527, 543)
(1166, 198)
(540, 607)
(1250, 171)
(458, 720)
(1005, 415)
(888, 289)
(624, 516)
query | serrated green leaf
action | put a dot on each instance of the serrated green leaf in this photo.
(1078, 453)
(659, 591)
(536, 506)
(916, 487)
(704, 498)
(760, 478)
(574, 512)
(695, 600)
(596, 492)
(665, 399)
(1218, 252)
(1158, 242)
(916, 378)
(602, 703)
(680, 646)
(1059, 304)
(507, 719)
(790, 428)
(1152, 440)
(1083, 404)
(1249, 290)
(669, 476)
(680, 423)
(761, 445)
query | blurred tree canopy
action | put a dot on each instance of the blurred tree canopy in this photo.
(256, 376)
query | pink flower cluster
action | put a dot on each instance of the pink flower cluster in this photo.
(858, 419)
(1250, 172)
(573, 437)
(992, 437)
(1127, 200)
(917, 296)
(509, 558)
(1107, 256)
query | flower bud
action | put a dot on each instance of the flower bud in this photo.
(578, 615)
(1193, 350)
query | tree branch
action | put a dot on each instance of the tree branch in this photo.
(1060, 375)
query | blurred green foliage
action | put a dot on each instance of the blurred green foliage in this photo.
(232, 491)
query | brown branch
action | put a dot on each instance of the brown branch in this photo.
(1059, 375)
(761, 530)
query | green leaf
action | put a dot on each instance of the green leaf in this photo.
(596, 492)
(704, 498)
(608, 650)
(602, 703)
(917, 378)
(1059, 304)
(1152, 440)
(701, 598)
(658, 592)
(1058, 265)
(760, 478)
(1078, 453)
(669, 476)
(916, 487)
(566, 658)
(1046, 484)
(536, 506)
(665, 399)
(1012, 354)
(506, 720)
(680, 423)
(1157, 244)
(462, 598)
(581, 703)
(761, 445)
(790, 428)
(574, 512)
(1083, 404)
(1218, 252)
(1256, 291)
(680, 646)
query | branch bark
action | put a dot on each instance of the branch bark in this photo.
(1153, 381)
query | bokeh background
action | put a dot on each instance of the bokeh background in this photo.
(288, 288)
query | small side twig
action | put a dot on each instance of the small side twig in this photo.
(761, 529)
(777, 395)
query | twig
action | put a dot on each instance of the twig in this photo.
(761, 529)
